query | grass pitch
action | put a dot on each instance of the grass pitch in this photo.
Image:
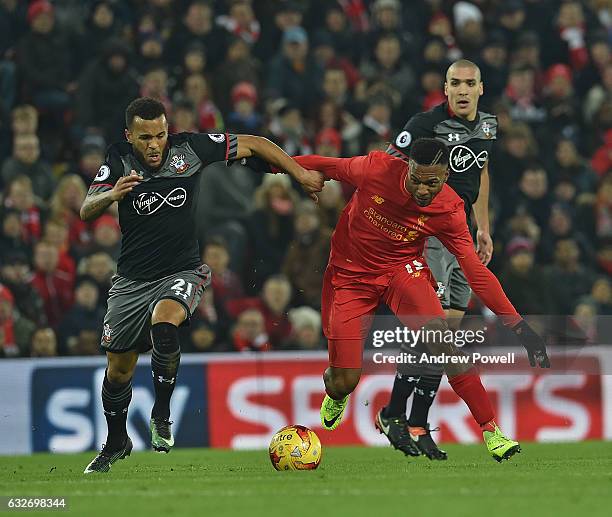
(551, 479)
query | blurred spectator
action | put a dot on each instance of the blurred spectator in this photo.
(150, 52)
(523, 281)
(327, 57)
(45, 59)
(106, 86)
(155, 84)
(239, 66)
(15, 330)
(599, 59)
(249, 333)
(101, 26)
(388, 68)
(101, 268)
(288, 131)
(56, 234)
(493, 65)
(273, 304)
(306, 325)
(336, 28)
(512, 17)
(19, 197)
(293, 74)
(43, 343)
(11, 235)
(208, 115)
(564, 113)
(307, 256)
(376, 123)
(87, 343)
(16, 275)
(271, 225)
(601, 292)
(203, 338)
(468, 20)
(84, 315)
(214, 318)
(24, 120)
(106, 236)
(518, 149)
(184, 117)
(336, 91)
(570, 165)
(241, 21)
(54, 285)
(65, 206)
(331, 116)
(226, 284)
(26, 160)
(568, 45)
(522, 96)
(197, 24)
(598, 93)
(567, 278)
(244, 118)
(283, 14)
(92, 153)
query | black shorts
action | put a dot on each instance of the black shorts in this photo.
(131, 303)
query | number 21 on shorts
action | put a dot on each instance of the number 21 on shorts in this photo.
(180, 290)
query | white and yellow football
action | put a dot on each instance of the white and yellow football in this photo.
(295, 447)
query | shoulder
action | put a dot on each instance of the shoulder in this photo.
(450, 200)
(119, 149)
(488, 125)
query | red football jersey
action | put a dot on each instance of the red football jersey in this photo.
(382, 228)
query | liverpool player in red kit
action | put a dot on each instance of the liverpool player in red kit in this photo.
(377, 255)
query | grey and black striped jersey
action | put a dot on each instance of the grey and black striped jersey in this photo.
(469, 144)
(157, 217)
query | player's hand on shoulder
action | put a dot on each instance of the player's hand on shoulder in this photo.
(124, 185)
(312, 182)
(533, 343)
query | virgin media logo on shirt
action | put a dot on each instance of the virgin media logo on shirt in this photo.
(463, 158)
(148, 203)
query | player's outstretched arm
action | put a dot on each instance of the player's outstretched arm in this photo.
(487, 287)
(249, 145)
(95, 204)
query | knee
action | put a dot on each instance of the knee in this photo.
(168, 311)
(436, 342)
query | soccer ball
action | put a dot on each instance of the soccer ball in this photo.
(295, 447)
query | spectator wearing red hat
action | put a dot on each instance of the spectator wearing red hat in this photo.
(106, 236)
(244, 117)
(44, 59)
(564, 113)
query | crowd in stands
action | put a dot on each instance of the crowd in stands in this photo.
(337, 78)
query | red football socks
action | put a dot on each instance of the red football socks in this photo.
(471, 390)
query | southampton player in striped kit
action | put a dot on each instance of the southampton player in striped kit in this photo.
(469, 135)
(154, 179)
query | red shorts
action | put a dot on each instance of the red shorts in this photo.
(349, 301)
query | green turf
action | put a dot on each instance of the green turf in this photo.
(568, 479)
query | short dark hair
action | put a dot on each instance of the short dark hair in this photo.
(429, 151)
(145, 108)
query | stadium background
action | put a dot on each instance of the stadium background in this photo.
(335, 78)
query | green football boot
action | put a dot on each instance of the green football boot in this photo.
(332, 411)
(161, 434)
(500, 447)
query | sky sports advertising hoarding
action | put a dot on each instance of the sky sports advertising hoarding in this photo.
(239, 401)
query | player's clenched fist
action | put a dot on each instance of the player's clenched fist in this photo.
(124, 185)
(312, 182)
